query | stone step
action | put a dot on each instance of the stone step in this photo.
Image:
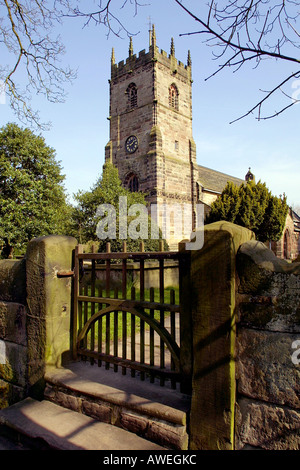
(45, 425)
(153, 412)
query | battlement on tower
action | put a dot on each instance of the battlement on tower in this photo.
(143, 58)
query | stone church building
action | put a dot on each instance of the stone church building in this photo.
(151, 136)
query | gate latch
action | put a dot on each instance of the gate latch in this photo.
(65, 273)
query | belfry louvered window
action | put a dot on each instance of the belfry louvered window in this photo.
(132, 183)
(173, 97)
(132, 95)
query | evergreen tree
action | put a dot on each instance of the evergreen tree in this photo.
(32, 195)
(253, 202)
(108, 190)
(252, 206)
(274, 220)
(226, 207)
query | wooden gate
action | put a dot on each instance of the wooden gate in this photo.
(121, 322)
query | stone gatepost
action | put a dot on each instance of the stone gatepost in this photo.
(213, 310)
(49, 305)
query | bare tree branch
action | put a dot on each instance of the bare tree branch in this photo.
(105, 15)
(28, 42)
(260, 103)
(248, 30)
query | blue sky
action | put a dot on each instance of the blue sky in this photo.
(80, 129)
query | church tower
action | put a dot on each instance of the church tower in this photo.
(151, 139)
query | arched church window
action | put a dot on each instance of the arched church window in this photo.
(132, 95)
(173, 97)
(132, 183)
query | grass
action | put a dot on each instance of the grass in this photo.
(123, 321)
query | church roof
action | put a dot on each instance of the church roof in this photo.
(215, 181)
(296, 220)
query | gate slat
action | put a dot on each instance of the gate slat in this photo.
(151, 335)
(93, 283)
(142, 323)
(107, 338)
(85, 317)
(124, 339)
(107, 285)
(99, 292)
(162, 315)
(107, 277)
(124, 273)
(133, 333)
(173, 330)
(116, 339)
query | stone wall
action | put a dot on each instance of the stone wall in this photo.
(13, 338)
(268, 331)
(246, 344)
(35, 306)
(151, 274)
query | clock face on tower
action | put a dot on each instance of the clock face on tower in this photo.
(131, 144)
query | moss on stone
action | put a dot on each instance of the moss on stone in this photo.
(49, 301)
(13, 280)
(214, 310)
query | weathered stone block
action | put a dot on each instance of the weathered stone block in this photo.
(13, 280)
(268, 427)
(15, 368)
(10, 394)
(13, 322)
(270, 313)
(171, 436)
(99, 411)
(63, 399)
(265, 369)
(260, 271)
(134, 422)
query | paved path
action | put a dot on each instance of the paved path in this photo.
(147, 345)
